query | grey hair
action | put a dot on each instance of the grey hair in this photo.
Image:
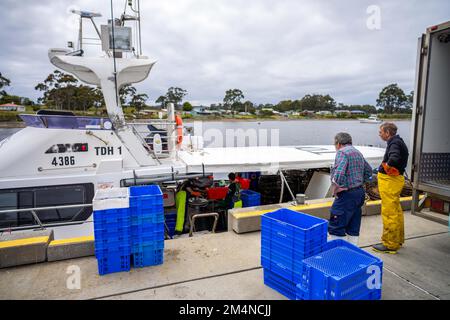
(390, 128)
(343, 138)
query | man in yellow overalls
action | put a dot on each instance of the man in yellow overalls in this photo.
(390, 185)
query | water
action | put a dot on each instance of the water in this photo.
(303, 132)
(311, 132)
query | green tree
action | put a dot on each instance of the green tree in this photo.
(392, 99)
(58, 89)
(161, 100)
(317, 102)
(63, 91)
(233, 98)
(409, 101)
(138, 101)
(127, 93)
(4, 82)
(187, 107)
(284, 106)
(10, 99)
(175, 95)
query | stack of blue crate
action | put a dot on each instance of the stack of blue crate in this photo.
(250, 198)
(147, 225)
(300, 264)
(341, 272)
(288, 237)
(112, 230)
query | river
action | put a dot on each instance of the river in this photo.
(302, 132)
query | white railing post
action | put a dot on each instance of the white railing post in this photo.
(171, 130)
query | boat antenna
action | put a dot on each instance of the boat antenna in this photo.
(139, 24)
(137, 10)
(114, 53)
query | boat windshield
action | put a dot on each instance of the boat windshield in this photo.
(66, 122)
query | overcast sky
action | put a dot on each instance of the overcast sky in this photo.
(271, 50)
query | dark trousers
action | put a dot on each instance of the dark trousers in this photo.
(346, 213)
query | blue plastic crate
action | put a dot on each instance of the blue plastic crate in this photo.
(111, 243)
(111, 263)
(147, 219)
(146, 228)
(292, 226)
(120, 231)
(112, 215)
(146, 196)
(289, 271)
(250, 198)
(281, 285)
(340, 272)
(151, 245)
(147, 238)
(148, 257)
(147, 212)
(120, 250)
(288, 262)
(112, 225)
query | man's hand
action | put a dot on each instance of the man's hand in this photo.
(390, 171)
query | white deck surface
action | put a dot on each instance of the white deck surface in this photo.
(269, 158)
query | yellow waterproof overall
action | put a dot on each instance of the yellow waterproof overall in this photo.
(390, 188)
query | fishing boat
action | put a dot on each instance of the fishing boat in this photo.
(371, 119)
(51, 169)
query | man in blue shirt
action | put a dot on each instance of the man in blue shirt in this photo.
(348, 175)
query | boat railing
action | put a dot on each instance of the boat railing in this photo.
(148, 131)
(38, 223)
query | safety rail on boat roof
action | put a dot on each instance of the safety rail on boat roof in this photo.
(38, 221)
(147, 130)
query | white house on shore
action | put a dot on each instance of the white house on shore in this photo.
(12, 107)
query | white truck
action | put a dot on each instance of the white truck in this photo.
(430, 154)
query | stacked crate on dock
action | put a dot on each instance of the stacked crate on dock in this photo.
(147, 225)
(112, 230)
(288, 237)
(341, 272)
(250, 198)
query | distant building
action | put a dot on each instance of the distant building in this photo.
(341, 112)
(308, 113)
(358, 113)
(324, 113)
(12, 107)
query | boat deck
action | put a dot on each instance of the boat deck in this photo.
(227, 266)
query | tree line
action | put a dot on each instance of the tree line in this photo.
(63, 91)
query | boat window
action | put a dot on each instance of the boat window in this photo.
(45, 197)
(8, 201)
(60, 196)
(25, 201)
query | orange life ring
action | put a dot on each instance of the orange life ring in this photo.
(179, 123)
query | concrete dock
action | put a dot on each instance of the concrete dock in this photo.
(227, 266)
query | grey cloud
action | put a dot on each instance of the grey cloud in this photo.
(272, 50)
